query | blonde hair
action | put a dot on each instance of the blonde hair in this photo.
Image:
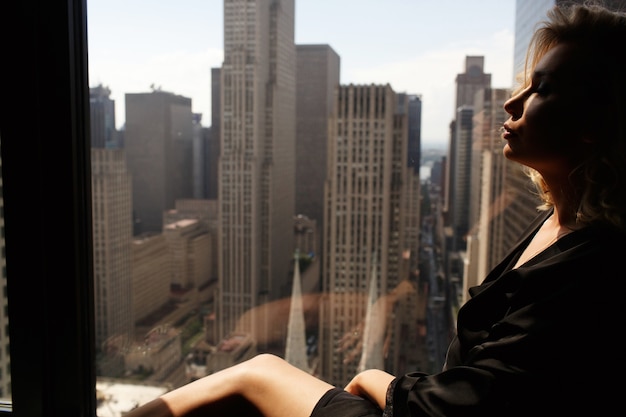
(601, 178)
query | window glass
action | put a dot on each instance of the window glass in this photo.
(262, 181)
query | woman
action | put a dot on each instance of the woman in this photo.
(540, 335)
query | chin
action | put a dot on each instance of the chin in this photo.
(510, 154)
(507, 151)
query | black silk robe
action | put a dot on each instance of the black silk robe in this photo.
(544, 339)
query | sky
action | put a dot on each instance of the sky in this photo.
(416, 46)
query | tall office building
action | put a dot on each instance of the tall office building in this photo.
(317, 77)
(527, 16)
(460, 180)
(112, 235)
(472, 80)
(460, 150)
(364, 216)
(213, 145)
(158, 142)
(415, 131)
(411, 105)
(102, 118)
(256, 166)
(489, 197)
(199, 154)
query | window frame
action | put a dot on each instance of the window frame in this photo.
(46, 178)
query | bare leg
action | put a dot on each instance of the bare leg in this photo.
(264, 383)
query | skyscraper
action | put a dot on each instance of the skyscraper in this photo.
(158, 142)
(527, 15)
(199, 155)
(460, 150)
(102, 118)
(489, 197)
(364, 241)
(415, 131)
(112, 234)
(411, 105)
(317, 77)
(256, 167)
(460, 181)
(213, 140)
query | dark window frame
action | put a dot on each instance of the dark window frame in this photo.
(47, 207)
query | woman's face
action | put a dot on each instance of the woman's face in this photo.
(546, 127)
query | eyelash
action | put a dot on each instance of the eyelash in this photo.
(542, 89)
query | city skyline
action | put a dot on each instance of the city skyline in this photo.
(177, 45)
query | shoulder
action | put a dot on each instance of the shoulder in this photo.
(596, 242)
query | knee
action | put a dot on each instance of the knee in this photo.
(256, 371)
(264, 361)
(263, 366)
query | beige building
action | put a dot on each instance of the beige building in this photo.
(459, 167)
(151, 274)
(205, 211)
(488, 198)
(189, 246)
(257, 160)
(364, 243)
(112, 234)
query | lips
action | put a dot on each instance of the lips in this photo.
(507, 132)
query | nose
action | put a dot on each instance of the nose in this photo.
(515, 105)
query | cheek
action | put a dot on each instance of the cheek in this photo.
(553, 127)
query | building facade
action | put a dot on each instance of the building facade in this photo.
(364, 241)
(318, 68)
(468, 83)
(257, 154)
(213, 145)
(151, 276)
(488, 198)
(102, 118)
(158, 139)
(189, 244)
(112, 262)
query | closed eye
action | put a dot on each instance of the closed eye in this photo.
(543, 88)
(541, 83)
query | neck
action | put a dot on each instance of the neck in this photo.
(565, 201)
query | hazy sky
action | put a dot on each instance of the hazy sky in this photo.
(417, 46)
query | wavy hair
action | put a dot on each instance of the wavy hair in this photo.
(601, 178)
